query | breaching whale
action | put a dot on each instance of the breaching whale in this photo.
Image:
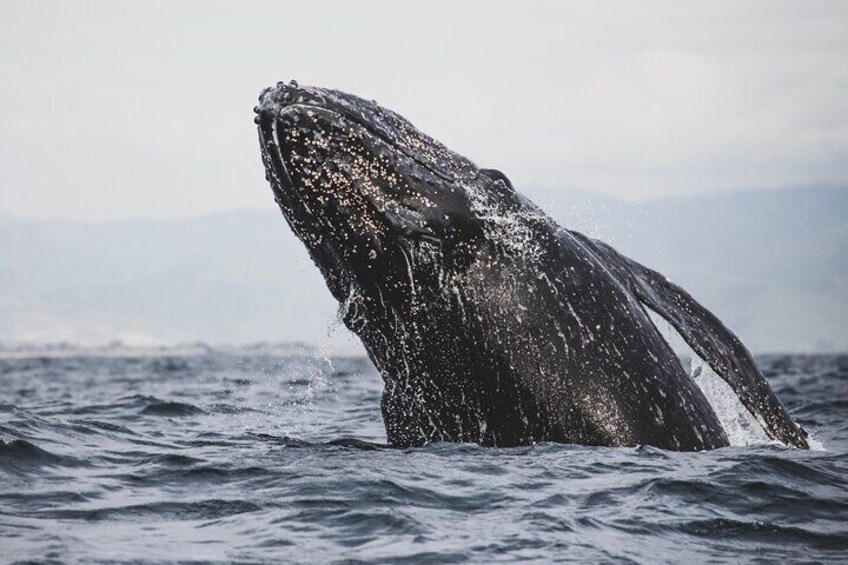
(488, 321)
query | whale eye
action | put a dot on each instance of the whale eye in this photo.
(495, 175)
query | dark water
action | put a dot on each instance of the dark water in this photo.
(230, 459)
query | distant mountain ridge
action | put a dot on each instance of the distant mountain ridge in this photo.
(773, 264)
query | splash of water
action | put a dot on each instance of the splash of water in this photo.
(739, 424)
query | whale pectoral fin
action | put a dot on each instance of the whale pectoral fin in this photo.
(708, 337)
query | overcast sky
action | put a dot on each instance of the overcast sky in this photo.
(116, 109)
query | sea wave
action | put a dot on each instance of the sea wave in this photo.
(224, 458)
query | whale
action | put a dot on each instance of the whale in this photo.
(489, 322)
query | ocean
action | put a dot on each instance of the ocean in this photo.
(237, 458)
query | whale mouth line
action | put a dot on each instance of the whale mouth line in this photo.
(278, 164)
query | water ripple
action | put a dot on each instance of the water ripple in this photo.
(227, 459)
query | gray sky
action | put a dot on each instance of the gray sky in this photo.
(115, 109)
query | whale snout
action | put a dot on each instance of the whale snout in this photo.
(273, 98)
(282, 91)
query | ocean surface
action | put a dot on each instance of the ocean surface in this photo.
(259, 459)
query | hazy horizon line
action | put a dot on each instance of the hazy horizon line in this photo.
(64, 347)
(823, 186)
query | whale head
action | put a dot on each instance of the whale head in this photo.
(362, 188)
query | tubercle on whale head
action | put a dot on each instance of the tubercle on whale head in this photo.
(358, 184)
